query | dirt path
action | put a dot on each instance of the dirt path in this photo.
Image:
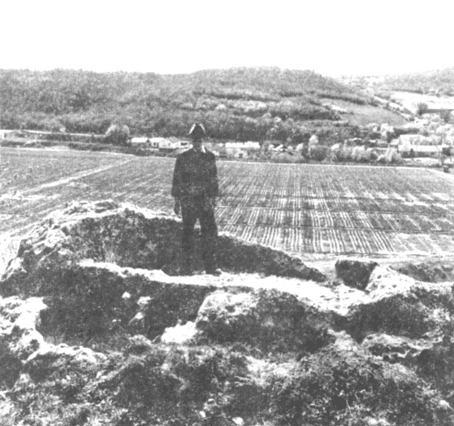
(77, 176)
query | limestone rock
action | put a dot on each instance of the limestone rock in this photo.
(62, 359)
(253, 343)
(436, 365)
(138, 344)
(23, 348)
(89, 301)
(354, 273)
(236, 255)
(398, 305)
(18, 335)
(325, 386)
(127, 236)
(396, 348)
(181, 333)
(429, 271)
(268, 319)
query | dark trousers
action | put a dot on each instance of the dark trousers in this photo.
(193, 208)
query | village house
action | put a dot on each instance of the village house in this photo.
(159, 143)
(4, 134)
(241, 149)
(417, 144)
(140, 142)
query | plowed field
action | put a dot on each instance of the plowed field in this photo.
(318, 209)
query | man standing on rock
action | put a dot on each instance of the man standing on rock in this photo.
(195, 188)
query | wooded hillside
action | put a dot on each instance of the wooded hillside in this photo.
(239, 103)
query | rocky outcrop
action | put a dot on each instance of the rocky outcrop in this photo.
(128, 237)
(398, 305)
(94, 319)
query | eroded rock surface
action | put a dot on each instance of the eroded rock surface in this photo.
(131, 237)
(354, 273)
(95, 319)
(432, 271)
(267, 319)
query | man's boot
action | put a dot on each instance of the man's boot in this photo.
(187, 268)
(211, 264)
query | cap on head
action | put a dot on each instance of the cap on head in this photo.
(197, 130)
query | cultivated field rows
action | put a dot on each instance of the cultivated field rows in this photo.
(318, 209)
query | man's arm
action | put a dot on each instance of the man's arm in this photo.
(176, 181)
(213, 179)
(176, 187)
(214, 184)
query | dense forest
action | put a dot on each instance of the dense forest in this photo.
(234, 104)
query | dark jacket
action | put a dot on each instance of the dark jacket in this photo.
(195, 174)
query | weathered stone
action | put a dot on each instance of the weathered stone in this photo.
(398, 305)
(396, 348)
(181, 333)
(23, 348)
(436, 365)
(430, 271)
(268, 319)
(62, 359)
(354, 273)
(251, 343)
(238, 256)
(88, 301)
(138, 344)
(129, 237)
(325, 386)
(18, 335)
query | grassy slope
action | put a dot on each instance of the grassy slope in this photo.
(361, 115)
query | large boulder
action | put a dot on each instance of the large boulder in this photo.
(62, 360)
(270, 320)
(354, 273)
(18, 335)
(23, 348)
(398, 305)
(94, 300)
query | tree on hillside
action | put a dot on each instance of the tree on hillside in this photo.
(421, 108)
(117, 134)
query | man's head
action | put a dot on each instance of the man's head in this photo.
(197, 133)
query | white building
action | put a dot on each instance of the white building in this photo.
(418, 144)
(252, 145)
(6, 133)
(155, 143)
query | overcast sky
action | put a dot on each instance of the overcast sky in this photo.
(331, 37)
